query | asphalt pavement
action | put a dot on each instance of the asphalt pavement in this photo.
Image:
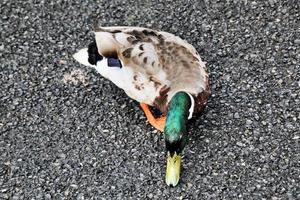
(67, 133)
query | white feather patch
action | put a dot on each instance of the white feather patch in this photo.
(82, 57)
(191, 110)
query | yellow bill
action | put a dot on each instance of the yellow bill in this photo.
(173, 169)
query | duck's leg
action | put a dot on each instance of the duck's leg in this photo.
(158, 123)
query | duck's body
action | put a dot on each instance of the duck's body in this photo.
(155, 65)
(157, 69)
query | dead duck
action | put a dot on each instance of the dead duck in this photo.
(157, 69)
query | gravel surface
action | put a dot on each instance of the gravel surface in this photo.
(67, 133)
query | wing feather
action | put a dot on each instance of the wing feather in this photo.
(150, 52)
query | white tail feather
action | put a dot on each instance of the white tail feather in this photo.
(82, 57)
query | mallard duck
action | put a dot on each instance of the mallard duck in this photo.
(157, 69)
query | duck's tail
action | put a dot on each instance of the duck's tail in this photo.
(82, 57)
(88, 56)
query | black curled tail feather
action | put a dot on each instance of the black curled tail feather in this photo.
(93, 53)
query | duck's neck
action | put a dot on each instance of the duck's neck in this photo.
(177, 117)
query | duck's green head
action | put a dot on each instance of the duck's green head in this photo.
(176, 134)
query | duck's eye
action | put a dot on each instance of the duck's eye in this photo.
(94, 55)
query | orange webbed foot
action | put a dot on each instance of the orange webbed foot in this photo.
(158, 123)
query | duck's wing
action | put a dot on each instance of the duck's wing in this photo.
(112, 38)
(163, 57)
(137, 47)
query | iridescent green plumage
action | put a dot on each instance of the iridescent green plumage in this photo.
(177, 117)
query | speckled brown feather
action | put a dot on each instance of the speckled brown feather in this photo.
(170, 63)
